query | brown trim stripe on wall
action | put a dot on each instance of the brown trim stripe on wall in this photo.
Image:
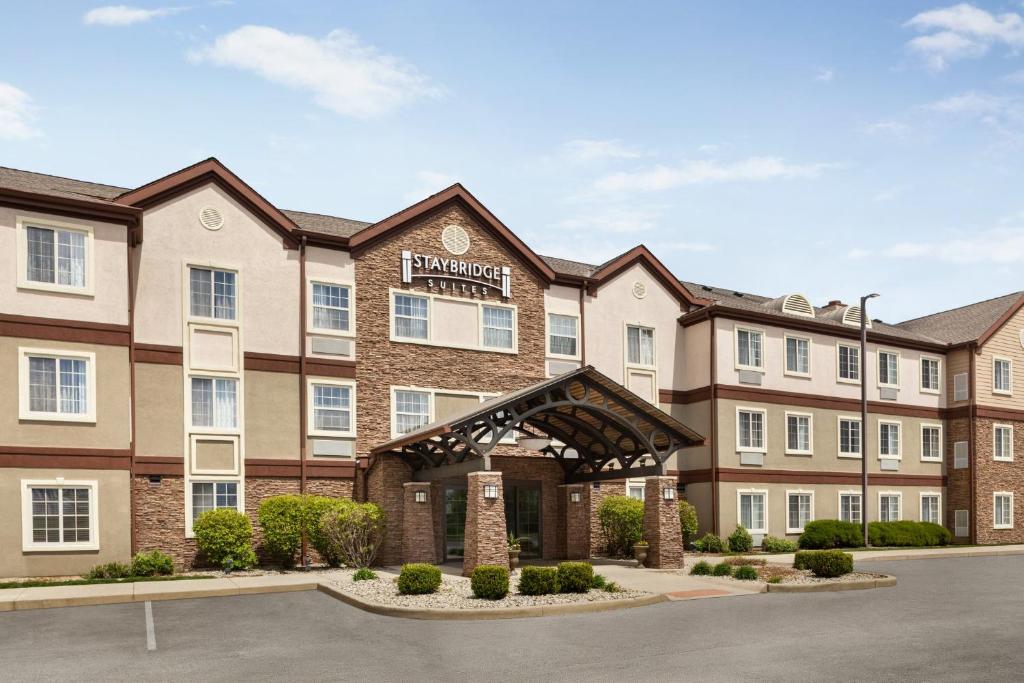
(158, 354)
(56, 329)
(169, 465)
(65, 458)
(811, 477)
(260, 362)
(678, 397)
(790, 398)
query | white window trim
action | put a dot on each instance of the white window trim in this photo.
(995, 495)
(995, 427)
(239, 401)
(785, 356)
(642, 483)
(431, 341)
(921, 378)
(839, 437)
(764, 430)
(547, 337)
(878, 368)
(801, 492)
(236, 464)
(839, 504)
(24, 412)
(898, 494)
(431, 393)
(739, 516)
(942, 445)
(310, 328)
(28, 545)
(219, 329)
(625, 346)
(736, 347)
(1009, 363)
(207, 479)
(860, 364)
(186, 293)
(810, 433)
(515, 328)
(22, 223)
(878, 435)
(311, 429)
(920, 502)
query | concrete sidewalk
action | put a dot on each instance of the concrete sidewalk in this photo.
(915, 553)
(676, 584)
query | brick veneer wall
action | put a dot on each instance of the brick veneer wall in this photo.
(418, 525)
(576, 526)
(485, 523)
(958, 481)
(594, 497)
(661, 525)
(992, 476)
(384, 487)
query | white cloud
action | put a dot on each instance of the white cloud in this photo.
(122, 15)
(596, 150)
(1015, 77)
(858, 253)
(825, 75)
(962, 31)
(708, 149)
(614, 220)
(696, 247)
(17, 114)
(893, 128)
(994, 246)
(973, 103)
(694, 172)
(428, 183)
(342, 74)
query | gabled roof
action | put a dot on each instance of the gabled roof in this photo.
(971, 323)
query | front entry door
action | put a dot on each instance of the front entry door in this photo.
(522, 517)
(454, 522)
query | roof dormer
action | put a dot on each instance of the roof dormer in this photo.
(852, 315)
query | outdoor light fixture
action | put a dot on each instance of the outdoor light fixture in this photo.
(534, 443)
(421, 497)
(669, 493)
(490, 491)
(574, 496)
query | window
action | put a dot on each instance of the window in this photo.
(214, 402)
(961, 522)
(800, 511)
(497, 327)
(332, 307)
(889, 507)
(848, 360)
(749, 345)
(56, 385)
(960, 387)
(1002, 376)
(332, 409)
(1002, 517)
(640, 346)
(562, 335)
(212, 495)
(752, 514)
(849, 436)
(930, 508)
(888, 369)
(798, 433)
(59, 516)
(412, 410)
(960, 452)
(750, 430)
(212, 293)
(411, 317)
(930, 375)
(889, 440)
(798, 353)
(849, 507)
(1002, 442)
(54, 256)
(635, 488)
(931, 442)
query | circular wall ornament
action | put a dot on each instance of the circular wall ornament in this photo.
(455, 239)
(639, 290)
(211, 218)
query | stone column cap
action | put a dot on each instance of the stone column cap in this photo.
(417, 483)
(479, 473)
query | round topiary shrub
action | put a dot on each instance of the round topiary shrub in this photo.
(152, 563)
(110, 570)
(489, 582)
(688, 522)
(419, 579)
(824, 563)
(281, 518)
(709, 543)
(745, 573)
(722, 569)
(538, 581)
(224, 538)
(702, 568)
(740, 540)
(575, 577)
(622, 521)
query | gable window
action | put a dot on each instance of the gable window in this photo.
(848, 360)
(332, 307)
(888, 369)
(332, 408)
(54, 256)
(931, 443)
(212, 293)
(800, 511)
(930, 375)
(849, 436)
(889, 440)
(640, 346)
(411, 316)
(497, 327)
(562, 334)
(1002, 442)
(798, 433)
(213, 495)
(752, 510)
(849, 507)
(889, 507)
(750, 430)
(59, 516)
(412, 410)
(1002, 376)
(57, 385)
(749, 345)
(1002, 517)
(930, 508)
(798, 354)
(215, 402)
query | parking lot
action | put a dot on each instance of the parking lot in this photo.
(948, 619)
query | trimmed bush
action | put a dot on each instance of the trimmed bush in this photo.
(282, 519)
(774, 544)
(702, 568)
(612, 587)
(599, 582)
(575, 577)
(688, 522)
(363, 574)
(831, 533)
(489, 582)
(622, 521)
(906, 533)
(709, 543)
(419, 579)
(745, 573)
(354, 533)
(824, 563)
(740, 540)
(153, 563)
(224, 537)
(315, 508)
(722, 569)
(110, 570)
(538, 581)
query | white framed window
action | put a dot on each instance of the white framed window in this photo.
(931, 442)
(1002, 442)
(931, 375)
(635, 488)
(750, 430)
(752, 510)
(212, 293)
(412, 410)
(799, 510)
(332, 407)
(1002, 376)
(799, 433)
(849, 507)
(212, 495)
(331, 307)
(798, 356)
(931, 507)
(498, 327)
(54, 256)
(640, 346)
(57, 385)
(215, 403)
(563, 335)
(749, 348)
(1002, 513)
(888, 368)
(849, 436)
(848, 363)
(59, 515)
(889, 506)
(889, 440)
(411, 316)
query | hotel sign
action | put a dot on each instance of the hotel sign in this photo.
(456, 275)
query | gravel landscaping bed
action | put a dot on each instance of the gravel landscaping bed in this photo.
(787, 574)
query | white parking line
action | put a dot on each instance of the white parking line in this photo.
(150, 633)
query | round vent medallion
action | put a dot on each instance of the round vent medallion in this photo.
(211, 218)
(455, 239)
(639, 290)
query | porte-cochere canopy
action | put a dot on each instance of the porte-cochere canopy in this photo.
(597, 430)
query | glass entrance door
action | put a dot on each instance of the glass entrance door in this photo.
(522, 517)
(454, 522)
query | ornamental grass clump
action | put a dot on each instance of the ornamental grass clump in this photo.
(419, 579)
(745, 573)
(575, 577)
(622, 521)
(722, 569)
(224, 538)
(702, 568)
(538, 581)
(489, 582)
(110, 570)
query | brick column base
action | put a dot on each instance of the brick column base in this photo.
(418, 524)
(661, 525)
(576, 521)
(486, 541)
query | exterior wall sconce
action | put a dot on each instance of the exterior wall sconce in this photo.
(668, 493)
(574, 496)
(491, 491)
(421, 496)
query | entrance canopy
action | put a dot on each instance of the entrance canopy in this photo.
(592, 426)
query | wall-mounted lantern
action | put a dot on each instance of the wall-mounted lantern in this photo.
(491, 491)
(421, 496)
(669, 493)
(574, 496)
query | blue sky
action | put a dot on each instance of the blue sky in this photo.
(830, 149)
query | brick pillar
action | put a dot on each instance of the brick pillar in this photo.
(418, 524)
(384, 487)
(661, 525)
(486, 539)
(576, 521)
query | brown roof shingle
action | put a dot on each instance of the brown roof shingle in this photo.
(963, 324)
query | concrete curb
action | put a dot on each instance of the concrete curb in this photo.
(885, 582)
(938, 556)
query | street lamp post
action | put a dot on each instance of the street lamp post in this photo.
(864, 415)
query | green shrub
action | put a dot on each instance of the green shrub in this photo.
(363, 574)
(906, 533)
(612, 587)
(831, 533)
(315, 507)
(709, 543)
(110, 570)
(354, 533)
(774, 544)
(745, 573)
(224, 538)
(775, 579)
(282, 519)
(538, 581)
(722, 569)
(152, 563)
(575, 577)
(489, 582)
(599, 582)
(622, 521)
(740, 540)
(824, 563)
(419, 579)
(702, 568)
(688, 522)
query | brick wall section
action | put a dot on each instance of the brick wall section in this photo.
(661, 525)
(593, 498)
(486, 541)
(160, 519)
(577, 522)
(958, 482)
(256, 490)
(384, 487)
(992, 476)
(418, 525)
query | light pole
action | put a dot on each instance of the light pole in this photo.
(864, 415)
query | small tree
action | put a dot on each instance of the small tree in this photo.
(355, 533)
(688, 522)
(316, 509)
(622, 521)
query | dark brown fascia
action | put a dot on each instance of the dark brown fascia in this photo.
(995, 327)
(641, 254)
(129, 216)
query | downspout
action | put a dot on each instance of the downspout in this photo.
(302, 383)
(131, 390)
(714, 431)
(972, 460)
